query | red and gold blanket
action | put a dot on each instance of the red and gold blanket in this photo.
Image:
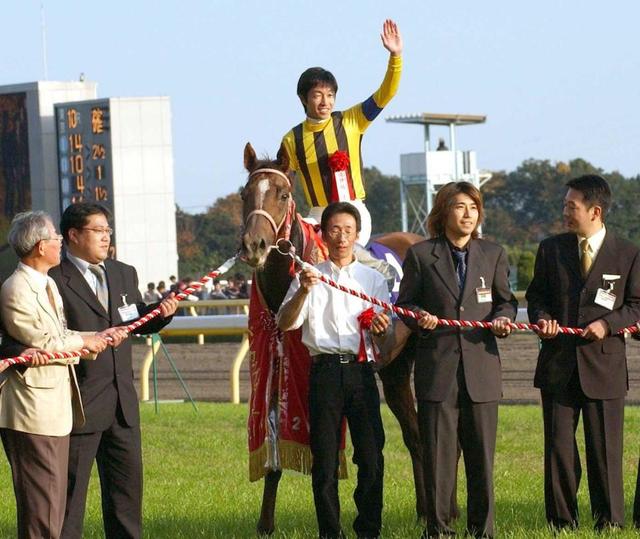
(278, 408)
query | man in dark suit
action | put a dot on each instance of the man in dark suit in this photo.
(456, 275)
(98, 293)
(586, 278)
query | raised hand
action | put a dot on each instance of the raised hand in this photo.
(391, 37)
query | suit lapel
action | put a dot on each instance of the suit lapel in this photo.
(569, 254)
(115, 286)
(78, 284)
(475, 269)
(444, 266)
(41, 296)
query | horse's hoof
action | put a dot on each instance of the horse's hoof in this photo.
(264, 531)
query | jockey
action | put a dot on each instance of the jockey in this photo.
(324, 150)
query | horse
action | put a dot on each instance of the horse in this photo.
(268, 223)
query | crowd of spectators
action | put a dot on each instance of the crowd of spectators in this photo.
(236, 287)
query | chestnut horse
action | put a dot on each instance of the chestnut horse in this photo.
(267, 198)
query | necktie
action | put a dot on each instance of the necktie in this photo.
(102, 291)
(585, 260)
(461, 267)
(52, 301)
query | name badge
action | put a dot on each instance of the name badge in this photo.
(483, 294)
(606, 298)
(128, 312)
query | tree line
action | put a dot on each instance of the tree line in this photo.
(522, 207)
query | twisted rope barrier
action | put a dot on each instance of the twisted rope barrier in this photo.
(519, 326)
(193, 287)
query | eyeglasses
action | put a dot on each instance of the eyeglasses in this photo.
(56, 237)
(335, 234)
(100, 231)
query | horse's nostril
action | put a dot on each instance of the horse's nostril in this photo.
(263, 244)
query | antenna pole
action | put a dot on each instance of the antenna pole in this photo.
(43, 26)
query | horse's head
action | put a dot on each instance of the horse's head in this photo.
(266, 204)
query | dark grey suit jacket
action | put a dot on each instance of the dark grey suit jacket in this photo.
(108, 380)
(559, 292)
(429, 283)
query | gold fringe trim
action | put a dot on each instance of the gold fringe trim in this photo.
(293, 456)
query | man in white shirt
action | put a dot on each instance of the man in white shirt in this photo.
(342, 383)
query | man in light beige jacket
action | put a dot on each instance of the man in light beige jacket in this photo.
(39, 403)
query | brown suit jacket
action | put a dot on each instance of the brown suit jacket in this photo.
(559, 292)
(429, 283)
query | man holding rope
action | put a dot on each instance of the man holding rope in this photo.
(325, 149)
(342, 382)
(456, 275)
(588, 278)
(39, 402)
(98, 292)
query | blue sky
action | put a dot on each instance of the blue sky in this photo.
(556, 79)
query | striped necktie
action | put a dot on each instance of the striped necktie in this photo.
(586, 260)
(102, 291)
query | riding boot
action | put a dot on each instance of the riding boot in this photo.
(388, 271)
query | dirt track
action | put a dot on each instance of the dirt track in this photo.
(206, 368)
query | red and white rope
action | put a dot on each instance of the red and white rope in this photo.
(25, 360)
(519, 326)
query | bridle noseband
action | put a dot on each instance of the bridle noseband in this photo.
(276, 227)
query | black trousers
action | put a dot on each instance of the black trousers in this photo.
(458, 422)
(603, 428)
(118, 454)
(337, 391)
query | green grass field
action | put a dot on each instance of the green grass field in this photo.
(196, 480)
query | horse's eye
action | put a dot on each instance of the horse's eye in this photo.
(284, 196)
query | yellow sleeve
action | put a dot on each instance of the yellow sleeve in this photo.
(364, 113)
(289, 146)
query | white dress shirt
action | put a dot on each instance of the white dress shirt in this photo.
(329, 317)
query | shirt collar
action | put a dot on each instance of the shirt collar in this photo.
(80, 263)
(453, 247)
(40, 279)
(596, 240)
(349, 269)
(316, 121)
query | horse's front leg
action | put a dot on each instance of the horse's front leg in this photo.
(266, 524)
(396, 384)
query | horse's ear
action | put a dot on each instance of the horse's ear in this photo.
(282, 159)
(249, 157)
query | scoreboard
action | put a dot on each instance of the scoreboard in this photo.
(85, 154)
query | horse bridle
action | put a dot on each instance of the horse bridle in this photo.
(281, 243)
